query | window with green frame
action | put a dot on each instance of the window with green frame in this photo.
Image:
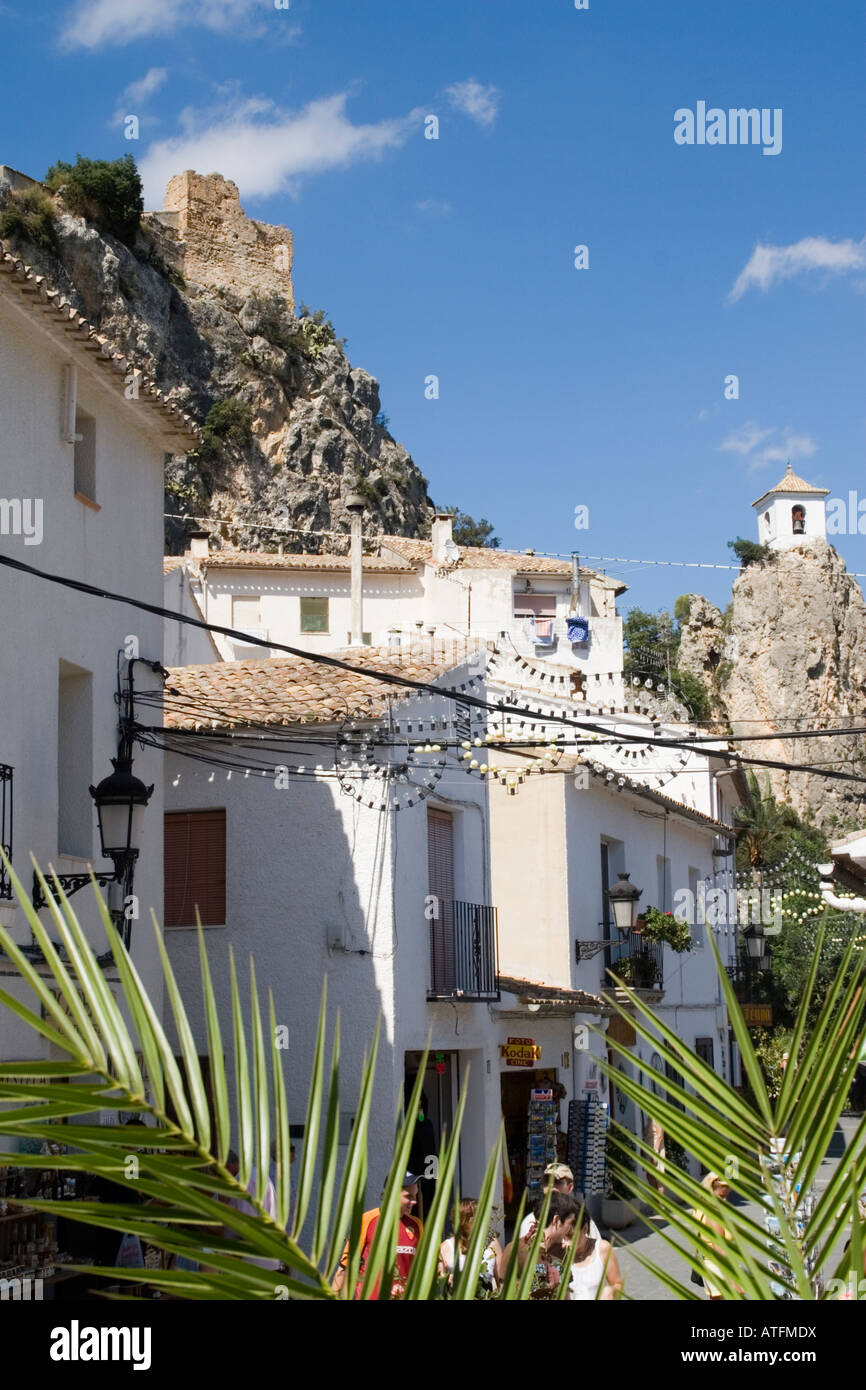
(314, 615)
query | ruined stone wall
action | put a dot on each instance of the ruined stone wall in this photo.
(219, 245)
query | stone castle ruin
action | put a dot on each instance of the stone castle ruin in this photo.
(213, 243)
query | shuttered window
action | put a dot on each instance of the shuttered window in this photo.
(195, 868)
(440, 861)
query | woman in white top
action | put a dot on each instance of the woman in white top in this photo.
(460, 1243)
(594, 1267)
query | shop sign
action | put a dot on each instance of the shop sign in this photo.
(757, 1015)
(520, 1052)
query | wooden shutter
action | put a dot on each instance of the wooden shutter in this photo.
(195, 868)
(440, 862)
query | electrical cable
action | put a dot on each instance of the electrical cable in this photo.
(401, 682)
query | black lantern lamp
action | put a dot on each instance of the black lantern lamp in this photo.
(623, 898)
(120, 800)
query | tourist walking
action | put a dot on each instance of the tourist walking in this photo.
(553, 1248)
(594, 1267)
(560, 1178)
(409, 1229)
(459, 1243)
(721, 1189)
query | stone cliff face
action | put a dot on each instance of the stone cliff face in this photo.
(204, 305)
(790, 653)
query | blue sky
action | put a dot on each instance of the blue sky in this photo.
(602, 387)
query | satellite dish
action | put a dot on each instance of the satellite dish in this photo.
(451, 551)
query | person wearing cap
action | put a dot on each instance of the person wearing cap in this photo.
(559, 1177)
(409, 1230)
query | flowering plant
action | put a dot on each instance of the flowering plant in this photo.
(664, 926)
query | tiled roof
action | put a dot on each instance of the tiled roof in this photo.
(791, 483)
(264, 560)
(296, 690)
(483, 557)
(579, 999)
(171, 563)
(70, 329)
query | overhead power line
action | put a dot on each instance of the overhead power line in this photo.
(400, 682)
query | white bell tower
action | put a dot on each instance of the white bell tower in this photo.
(791, 512)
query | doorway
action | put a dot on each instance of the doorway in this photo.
(515, 1087)
(434, 1120)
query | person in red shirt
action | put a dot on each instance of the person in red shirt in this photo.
(409, 1230)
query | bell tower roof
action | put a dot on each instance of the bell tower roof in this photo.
(791, 483)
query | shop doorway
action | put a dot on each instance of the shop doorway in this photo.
(434, 1120)
(515, 1088)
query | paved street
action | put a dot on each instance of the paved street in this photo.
(644, 1235)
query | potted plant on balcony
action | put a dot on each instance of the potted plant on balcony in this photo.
(664, 926)
(616, 1213)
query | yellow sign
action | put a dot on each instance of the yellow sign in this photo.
(520, 1052)
(757, 1015)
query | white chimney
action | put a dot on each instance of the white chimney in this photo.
(198, 544)
(355, 508)
(443, 523)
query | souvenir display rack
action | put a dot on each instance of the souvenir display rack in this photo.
(541, 1130)
(587, 1130)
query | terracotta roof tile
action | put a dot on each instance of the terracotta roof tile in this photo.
(483, 557)
(73, 330)
(791, 483)
(264, 560)
(297, 690)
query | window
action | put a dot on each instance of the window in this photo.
(195, 868)
(366, 638)
(798, 520)
(440, 870)
(535, 605)
(314, 615)
(85, 456)
(246, 611)
(704, 1049)
(74, 761)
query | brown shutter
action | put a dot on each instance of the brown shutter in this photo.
(195, 867)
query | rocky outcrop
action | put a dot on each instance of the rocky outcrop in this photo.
(213, 325)
(791, 653)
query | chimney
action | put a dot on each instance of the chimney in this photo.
(355, 508)
(443, 523)
(198, 544)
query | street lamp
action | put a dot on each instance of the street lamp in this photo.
(623, 898)
(120, 800)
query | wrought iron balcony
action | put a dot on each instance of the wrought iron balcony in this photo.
(637, 961)
(464, 952)
(5, 827)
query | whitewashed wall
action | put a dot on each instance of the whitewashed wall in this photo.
(119, 547)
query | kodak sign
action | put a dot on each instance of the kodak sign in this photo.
(520, 1052)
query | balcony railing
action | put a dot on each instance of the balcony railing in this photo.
(638, 961)
(5, 827)
(464, 953)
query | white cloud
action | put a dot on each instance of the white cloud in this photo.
(433, 207)
(792, 446)
(787, 445)
(475, 100)
(265, 150)
(145, 87)
(96, 23)
(768, 265)
(746, 438)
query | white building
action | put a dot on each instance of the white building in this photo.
(542, 607)
(791, 512)
(300, 852)
(83, 443)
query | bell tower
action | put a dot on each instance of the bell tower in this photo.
(791, 512)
